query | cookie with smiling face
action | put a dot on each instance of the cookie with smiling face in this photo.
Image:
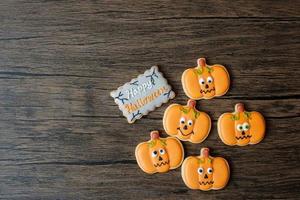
(241, 127)
(186, 122)
(205, 81)
(205, 172)
(159, 154)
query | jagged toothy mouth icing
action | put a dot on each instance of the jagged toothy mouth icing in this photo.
(243, 137)
(161, 164)
(206, 183)
(207, 91)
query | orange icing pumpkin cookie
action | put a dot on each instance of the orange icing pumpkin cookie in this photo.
(205, 172)
(205, 81)
(159, 154)
(241, 127)
(186, 122)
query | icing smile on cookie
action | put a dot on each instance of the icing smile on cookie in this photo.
(161, 164)
(206, 183)
(192, 132)
(207, 91)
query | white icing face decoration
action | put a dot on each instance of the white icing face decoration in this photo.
(246, 126)
(209, 80)
(201, 81)
(239, 127)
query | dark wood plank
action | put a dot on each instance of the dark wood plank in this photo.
(62, 136)
(116, 173)
(254, 50)
(36, 148)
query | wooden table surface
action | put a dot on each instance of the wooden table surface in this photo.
(63, 137)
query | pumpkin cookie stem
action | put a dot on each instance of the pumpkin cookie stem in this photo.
(154, 135)
(239, 107)
(201, 62)
(191, 103)
(204, 152)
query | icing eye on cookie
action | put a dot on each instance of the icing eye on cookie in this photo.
(200, 170)
(239, 127)
(209, 79)
(201, 81)
(162, 151)
(182, 120)
(246, 126)
(209, 170)
(154, 153)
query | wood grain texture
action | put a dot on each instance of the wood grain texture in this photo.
(63, 137)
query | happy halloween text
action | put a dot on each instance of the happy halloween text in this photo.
(131, 107)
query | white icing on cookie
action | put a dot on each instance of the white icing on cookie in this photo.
(143, 94)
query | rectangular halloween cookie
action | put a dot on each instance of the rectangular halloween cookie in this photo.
(143, 94)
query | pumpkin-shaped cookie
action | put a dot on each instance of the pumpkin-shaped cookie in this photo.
(204, 81)
(205, 172)
(186, 122)
(241, 127)
(159, 154)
